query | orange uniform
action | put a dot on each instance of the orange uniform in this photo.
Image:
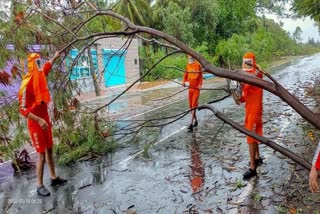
(252, 96)
(193, 75)
(316, 158)
(33, 97)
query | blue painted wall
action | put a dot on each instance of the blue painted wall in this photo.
(114, 67)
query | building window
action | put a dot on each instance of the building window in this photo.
(81, 68)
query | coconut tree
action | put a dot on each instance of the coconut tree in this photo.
(138, 11)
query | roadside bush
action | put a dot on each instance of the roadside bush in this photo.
(13, 134)
(170, 68)
(232, 50)
(83, 141)
(268, 43)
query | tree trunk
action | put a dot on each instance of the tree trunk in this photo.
(93, 73)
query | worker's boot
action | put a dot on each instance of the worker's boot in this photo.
(249, 174)
(195, 123)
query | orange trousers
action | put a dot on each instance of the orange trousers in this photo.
(253, 122)
(193, 97)
(41, 139)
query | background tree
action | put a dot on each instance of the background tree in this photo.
(178, 22)
(138, 11)
(277, 7)
(305, 8)
(297, 34)
(311, 41)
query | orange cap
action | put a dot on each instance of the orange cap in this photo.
(249, 55)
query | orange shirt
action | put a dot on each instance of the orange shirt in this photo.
(34, 89)
(316, 158)
(193, 75)
(253, 96)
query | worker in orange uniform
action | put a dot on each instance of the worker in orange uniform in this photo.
(34, 97)
(313, 176)
(252, 96)
(193, 75)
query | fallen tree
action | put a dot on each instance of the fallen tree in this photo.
(77, 34)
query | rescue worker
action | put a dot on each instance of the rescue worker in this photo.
(193, 75)
(33, 99)
(252, 96)
(313, 176)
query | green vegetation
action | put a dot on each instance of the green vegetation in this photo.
(307, 8)
(257, 197)
(165, 70)
(226, 29)
(11, 125)
(146, 149)
(137, 11)
(281, 209)
(172, 67)
(80, 136)
(240, 184)
(81, 142)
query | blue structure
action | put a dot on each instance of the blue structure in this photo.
(114, 67)
(208, 76)
(82, 66)
(113, 62)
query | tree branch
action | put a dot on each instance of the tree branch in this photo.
(261, 139)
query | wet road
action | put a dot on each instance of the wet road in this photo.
(199, 172)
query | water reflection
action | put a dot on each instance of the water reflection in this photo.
(197, 170)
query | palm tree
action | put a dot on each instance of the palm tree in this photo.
(138, 11)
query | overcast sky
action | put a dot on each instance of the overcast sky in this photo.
(306, 25)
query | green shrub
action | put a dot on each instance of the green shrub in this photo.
(170, 68)
(82, 141)
(13, 133)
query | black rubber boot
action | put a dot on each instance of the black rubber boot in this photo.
(190, 128)
(195, 123)
(258, 162)
(58, 181)
(249, 174)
